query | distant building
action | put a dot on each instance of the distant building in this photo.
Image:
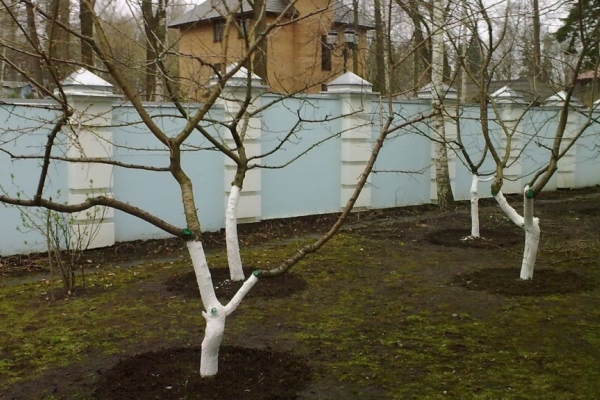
(11, 89)
(522, 86)
(299, 55)
(585, 88)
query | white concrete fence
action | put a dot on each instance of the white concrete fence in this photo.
(92, 135)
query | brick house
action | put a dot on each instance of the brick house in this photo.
(300, 57)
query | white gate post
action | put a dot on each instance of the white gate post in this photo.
(511, 106)
(232, 96)
(450, 98)
(90, 98)
(356, 98)
(565, 174)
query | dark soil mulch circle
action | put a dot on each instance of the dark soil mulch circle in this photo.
(460, 237)
(506, 281)
(282, 286)
(247, 374)
(571, 210)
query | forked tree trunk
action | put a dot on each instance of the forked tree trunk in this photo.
(531, 226)
(231, 237)
(215, 313)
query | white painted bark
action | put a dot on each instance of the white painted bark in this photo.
(531, 226)
(532, 238)
(231, 237)
(475, 233)
(508, 210)
(215, 313)
(213, 335)
(239, 296)
(215, 329)
(207, 291)
(474, 207)
(442, 174)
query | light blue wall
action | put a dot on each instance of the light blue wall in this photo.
(310, 184)
(539, 128)
(406, 150)
(24, 127)
(587, 149)
(157, 192)
(474, 143)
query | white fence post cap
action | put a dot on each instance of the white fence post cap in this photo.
(239, 79)
(426, 92)
(560, 98)
(506, 95)
(85, 83)
(349, 82)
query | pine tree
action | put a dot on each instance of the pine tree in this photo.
(580, 30)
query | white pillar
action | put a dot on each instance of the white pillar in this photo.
(511, 107)
(233, 95)
(449, 98)
(89, 130)
(565, 175)
(356, 97)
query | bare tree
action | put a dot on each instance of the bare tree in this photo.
(86, 11)
(445, 197)
(503, 150)
(196, 119)
(155, 30)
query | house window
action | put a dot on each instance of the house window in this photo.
(218, 28)
(243, 27)
(326, 54)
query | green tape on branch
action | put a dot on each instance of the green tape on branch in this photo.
(494, 192)
(187, 234)
(530, 194)
(255, 273)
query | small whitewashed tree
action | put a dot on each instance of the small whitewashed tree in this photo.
(508, 109)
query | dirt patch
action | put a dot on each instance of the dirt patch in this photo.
(248, 374)
(456, 237)
(378, 303)
(506, 281)
(186, 285)
(121, 253)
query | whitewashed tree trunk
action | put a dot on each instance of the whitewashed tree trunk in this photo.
(231, 237)
(475, 233)
(531, 226)
(215, 314)
(475, 207)
(532, 238)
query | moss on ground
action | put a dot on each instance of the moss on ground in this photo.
(378, 313)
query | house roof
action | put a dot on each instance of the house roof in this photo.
(342, 14)
(521, 86)
(215, 9)
(591, 74)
